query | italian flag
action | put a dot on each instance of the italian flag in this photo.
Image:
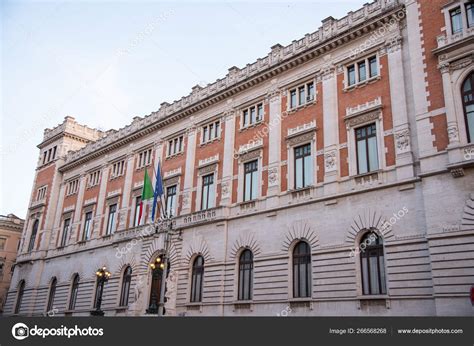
(147, 193)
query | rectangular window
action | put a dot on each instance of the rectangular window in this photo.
(171, 201)
(118, 169)
(136, 219)
(366, 147)
(54, 152)
(208, 194)
(250, 180)
(65, 235)
(86, 234)
(470, 14)
(293, 98)
(175, 146)
(144, 158)
(72, 187)
(210, 132)
(301, 94)
(3, 241)
(310, 92)
(303, 166)
(351, 76)
(252, 115)
(112, 219)
(456, 20)
(41, 193)
(94, 178)
(44, 157)
(374, 69)
(362, 71)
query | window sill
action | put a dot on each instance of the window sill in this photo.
(203, 144)
(115, 177)
(247, 127)
(172, 156)
(362, 84)
(143, 167)
(363, 175)
(373, 297)
(299, 107)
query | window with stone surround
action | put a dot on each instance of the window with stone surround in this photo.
(301, 95)
(74, 291)
(301, 270)
(118, 169)
(362, 71)
(208, 192)
(366, 148)
(112, 219)
(19, 297)
(303, 166)
(175, 146)
(3, 241)
(252, 115)
(245, 284)
(459, 17)
(171, 192)
(125, 289)
(72, 187)
(250, 180)
(49, 155)
(52, 294)
(456, 20)
(197, 278)
(93, 179)
(470, 14)
(210, 132)
(144, 158)
(372, 264)
(65, 234)
(86, 232)
(34, 232)
(41, 193)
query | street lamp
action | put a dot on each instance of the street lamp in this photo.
(102, 277)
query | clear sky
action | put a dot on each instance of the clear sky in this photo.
(105, 62)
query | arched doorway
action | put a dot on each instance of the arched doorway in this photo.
(156, 267)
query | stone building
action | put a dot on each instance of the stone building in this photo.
(333, 176)
(11, 227)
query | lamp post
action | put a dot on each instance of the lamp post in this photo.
(102, 277)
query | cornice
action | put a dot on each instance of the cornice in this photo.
(332, 34)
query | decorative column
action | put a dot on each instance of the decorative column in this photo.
(330, 129)
(274, 141)
(189, 171)
(57, 217)
(401, 126)
(229, 155)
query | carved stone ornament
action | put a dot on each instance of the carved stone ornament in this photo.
(185, 200)
(207, 169)
(250, 155)
(361, 119)
(273, 176)
(330, 161)
(453, 133)
(225, 189)
(300, 139)
(402, 141)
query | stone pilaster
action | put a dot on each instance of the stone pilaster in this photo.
(229, 155)
(127, 187)
(274, 140)
(189, 171)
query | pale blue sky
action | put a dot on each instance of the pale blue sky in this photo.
(105, 62)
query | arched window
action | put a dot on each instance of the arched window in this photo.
(19, 297)
(372, 264)
(34, 231)
(245, 275)
(468, 103)
(197, 279)
(52, 293)
(301, 270)
(74, 289)
(126, 280)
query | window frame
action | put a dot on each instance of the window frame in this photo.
(209, 201)
(367, 151)
(465, 104)
(197, 279)
(369, 249)
(459, 15)
(369, 76)
(51, 294)
(175, 146)
(299, 259)
(295, 93)
(86, 230)
(111, 224)
(74, 291)
(19, 296)
(144, 158)
(33, 235)
(252, 115)
(125, 286)
(65, 232)
(253, 171)
(295, 167)
(245, 265)
(172, 211)
(212, 131)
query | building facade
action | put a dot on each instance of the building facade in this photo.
(333, 176)
(11, 227)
